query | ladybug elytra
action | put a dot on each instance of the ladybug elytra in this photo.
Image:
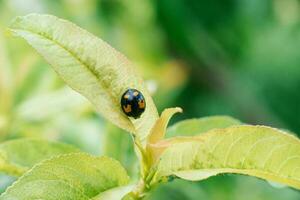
(133, 103)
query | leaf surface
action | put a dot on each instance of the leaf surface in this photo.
(259, 151)
(16, 156)
(88, 65)
(191, 127)
(178, 132)
(72, 176)
(115, 194)
(157, 134)
(159, 129)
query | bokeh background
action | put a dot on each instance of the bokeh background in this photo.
(210, 57)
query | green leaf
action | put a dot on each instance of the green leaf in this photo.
(115, 193)
(259, 151)
(6, 80)
(6, 85)
(88, 65)
(192, 127)
(71, 176)
(158, 133)
(159, 129)
(156, 145)
(17, 156)
(49, 105)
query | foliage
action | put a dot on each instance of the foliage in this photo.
(17, 156)
(206, 147)
(71, 176)
(98, 72)
(252, 150)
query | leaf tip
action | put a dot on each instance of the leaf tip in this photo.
(179, 109)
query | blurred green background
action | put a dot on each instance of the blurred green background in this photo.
(210, 57)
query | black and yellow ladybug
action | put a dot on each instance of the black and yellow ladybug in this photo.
(133, 103)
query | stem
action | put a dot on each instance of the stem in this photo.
(142, 187)
(143, 157)
(139, 192)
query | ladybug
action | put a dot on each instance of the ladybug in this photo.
(133, 103)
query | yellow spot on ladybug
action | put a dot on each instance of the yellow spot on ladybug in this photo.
(141, 104)
(127, 108)
(126, 96)
(135, 93)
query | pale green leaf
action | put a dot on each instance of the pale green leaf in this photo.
(88, 65)
(195, 126)
(115, 193)
(71, 176)
(16, 156)
(180, 131)
(159, 129)
(259, 151)
(158, 133)
(155, 150)
(6, 80)
(45, 106)
(6, 84)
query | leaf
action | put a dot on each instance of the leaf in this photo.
(45, 106)
(115, 193)
(6, 80)
(259, 151)
(180, 131)
(192, 127)
(88, 65)
(16, 156)
(72, 176)
(159, 129)
(155, 150)
(6, 84)
(158, 133)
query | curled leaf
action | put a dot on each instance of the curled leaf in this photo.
(157, 134)
(159, 129)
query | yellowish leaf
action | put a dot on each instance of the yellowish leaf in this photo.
(88, 65)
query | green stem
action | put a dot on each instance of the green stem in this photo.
(143, 157)
(139, 192)
(142, 187)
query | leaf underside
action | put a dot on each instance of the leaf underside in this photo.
(159, 129)
(71, 176)
(88, 65)
(115, 193)
(17, 156)
(259, 151)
